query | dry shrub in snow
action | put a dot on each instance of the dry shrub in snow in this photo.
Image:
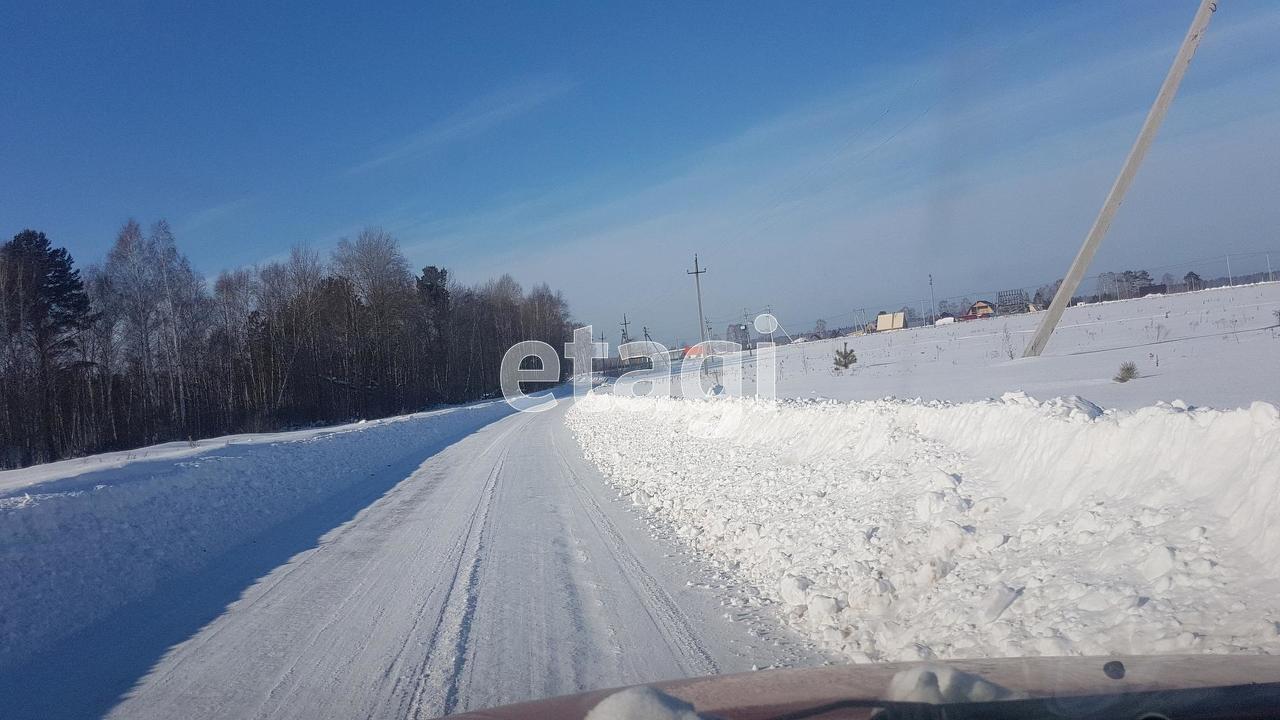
(1128, 371)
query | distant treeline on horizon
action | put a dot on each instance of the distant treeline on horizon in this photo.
(139, 349)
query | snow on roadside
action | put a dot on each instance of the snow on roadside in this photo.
(78, 545)
(898, 530)
(12, 480)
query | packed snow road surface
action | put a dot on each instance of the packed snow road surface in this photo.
(501, 568)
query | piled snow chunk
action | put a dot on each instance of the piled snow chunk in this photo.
(1158, 563)
(946, 539)
(793, 589)
(901, 530)
(822, 610)
(935, 503)
(642, 703)
(996, 602)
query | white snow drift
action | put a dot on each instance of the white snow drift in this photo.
(892, 530)
(82, 537)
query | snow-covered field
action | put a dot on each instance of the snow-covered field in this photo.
(82, 537)
(1215, 348)
(957, 526)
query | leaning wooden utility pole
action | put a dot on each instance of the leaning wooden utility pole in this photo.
(1103, 222)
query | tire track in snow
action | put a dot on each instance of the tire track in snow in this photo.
(360, 580)
(461, 647)
(674, 625)
(452, 627)
(500, 569)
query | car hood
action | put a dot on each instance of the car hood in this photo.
(771, 694)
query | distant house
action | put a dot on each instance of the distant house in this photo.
(891, 321)
(982, 308)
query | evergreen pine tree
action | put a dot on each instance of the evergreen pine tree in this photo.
(845, 358)
(45, 307)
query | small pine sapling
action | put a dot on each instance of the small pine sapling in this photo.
(845, 358)
(1128, 371)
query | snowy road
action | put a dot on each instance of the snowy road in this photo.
(501, 569)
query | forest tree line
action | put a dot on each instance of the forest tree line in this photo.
(140, 350)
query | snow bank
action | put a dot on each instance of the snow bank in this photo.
(1051, 456)
(891, 530)
(76, 548)
(11, 480)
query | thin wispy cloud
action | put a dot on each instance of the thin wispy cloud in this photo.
(479, 117)
(217, 213)
(1024, 161)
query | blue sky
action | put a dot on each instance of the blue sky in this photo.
(819, 156)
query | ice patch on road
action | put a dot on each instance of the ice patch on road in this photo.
(899, 530)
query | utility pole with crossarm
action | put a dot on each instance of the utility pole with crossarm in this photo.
(697, 283)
